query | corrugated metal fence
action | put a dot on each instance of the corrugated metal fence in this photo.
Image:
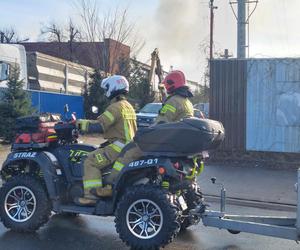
(228, 100)
(273, 105)
(258, 101)
(54, 103)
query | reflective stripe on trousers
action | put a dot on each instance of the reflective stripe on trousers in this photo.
(92, 183)
(117, 146)
(118, 166)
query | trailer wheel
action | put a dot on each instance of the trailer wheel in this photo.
(145, 218)
(233, 231)
(68, 214)
(24, 204)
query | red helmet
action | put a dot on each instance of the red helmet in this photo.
(174, 80)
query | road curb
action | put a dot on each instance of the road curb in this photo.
(253, 203)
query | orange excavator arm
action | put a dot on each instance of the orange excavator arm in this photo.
(156, 69)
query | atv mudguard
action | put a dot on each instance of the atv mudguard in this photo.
(141, 164)
(46, 161)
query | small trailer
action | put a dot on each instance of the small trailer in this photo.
(279, 227)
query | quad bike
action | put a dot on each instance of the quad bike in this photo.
(152, 196)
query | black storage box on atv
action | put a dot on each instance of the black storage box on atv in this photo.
(189, 136)
(28, 123)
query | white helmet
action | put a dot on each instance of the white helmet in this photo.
(115, 85)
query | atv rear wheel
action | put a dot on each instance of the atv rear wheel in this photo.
(24, 204)
(145, 218)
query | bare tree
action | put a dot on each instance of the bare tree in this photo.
(204, 47)
(9, 35)
(74, 35)
(63, 34)
(59, 33)
(54, 32)
(88, 12)
(204, 50)
(104, 26)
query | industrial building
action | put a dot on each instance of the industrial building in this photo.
(91, 55)
(56, 73)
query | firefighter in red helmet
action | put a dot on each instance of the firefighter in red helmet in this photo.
(177, 105)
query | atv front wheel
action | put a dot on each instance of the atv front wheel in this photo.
(24, 204)
(145, 218)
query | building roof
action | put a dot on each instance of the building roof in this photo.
(97, 55)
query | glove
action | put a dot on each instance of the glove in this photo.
(82, 125)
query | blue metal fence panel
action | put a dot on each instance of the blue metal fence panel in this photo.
(54, 102)
(273, 105)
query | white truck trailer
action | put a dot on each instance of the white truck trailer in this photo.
(43, 72)
(12, 54)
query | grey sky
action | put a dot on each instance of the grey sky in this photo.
(177, 27)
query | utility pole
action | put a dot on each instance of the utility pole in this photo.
(241, 29)
(243, 21)
(211, 42)
(226, 54)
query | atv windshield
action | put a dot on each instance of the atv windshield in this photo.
(151, 108)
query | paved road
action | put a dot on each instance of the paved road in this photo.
(89, 233)
(251, 183)
(92, 233)
(3, 154)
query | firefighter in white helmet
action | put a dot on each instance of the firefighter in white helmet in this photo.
(118, 125)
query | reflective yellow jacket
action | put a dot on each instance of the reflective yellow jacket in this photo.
(175, 108)
(118, 121)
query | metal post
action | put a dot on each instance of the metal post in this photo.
(226, 54)
(86, 77)
(241, 29)
(66, 78)
(211, 42)
(248, 30)
(223, 199)
(298, 205)
(39, 102)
